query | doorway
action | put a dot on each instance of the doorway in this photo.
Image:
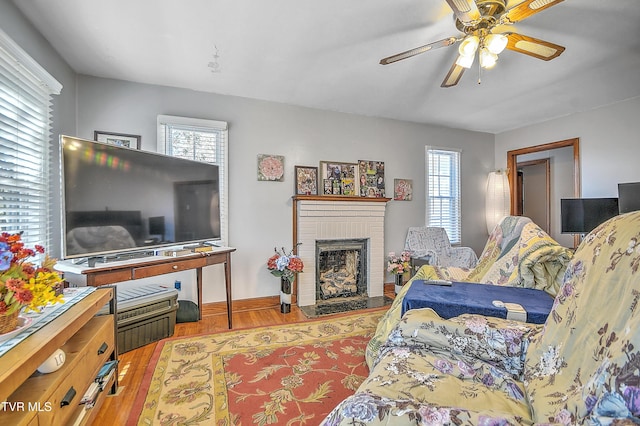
(533, 189)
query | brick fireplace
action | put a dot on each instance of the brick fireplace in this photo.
(322, 218)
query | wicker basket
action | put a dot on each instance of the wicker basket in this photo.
(9, 322)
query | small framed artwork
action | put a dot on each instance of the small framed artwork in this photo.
(371, 178)
(271, 167)
(402, 189)
(306, 180)
(339, 178)
(120, 139)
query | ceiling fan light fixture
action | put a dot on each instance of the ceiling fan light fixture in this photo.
(496, 43)
(487, 59)
(465, 61)
(469, 46)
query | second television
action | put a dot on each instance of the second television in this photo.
(582, 215)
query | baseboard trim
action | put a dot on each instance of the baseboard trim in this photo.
(245, 305)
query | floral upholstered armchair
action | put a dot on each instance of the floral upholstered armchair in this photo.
(581, 367)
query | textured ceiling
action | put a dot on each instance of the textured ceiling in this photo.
(325, 54)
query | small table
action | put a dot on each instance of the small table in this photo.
(115, 272)
(471, 298)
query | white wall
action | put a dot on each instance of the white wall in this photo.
(261, 212)
(609, 144)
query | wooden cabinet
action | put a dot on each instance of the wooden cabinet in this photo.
(53, 399)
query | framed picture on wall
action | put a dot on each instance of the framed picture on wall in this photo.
(306, 180)
(371, 178)
(339, 178)
(402, 189)
(271, 167)
(120, 139)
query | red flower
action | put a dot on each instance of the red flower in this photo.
(23, 296)
(28, 269)
(295, 264)
(3, 308)
(271, 262)
(14, 284)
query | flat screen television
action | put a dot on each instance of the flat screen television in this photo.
(582, 215)
(629, 197)
(119, 200)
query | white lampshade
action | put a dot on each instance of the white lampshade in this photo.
(487, 59)
(496, 43)
(498, 201)
(469, 46)
(465, 61)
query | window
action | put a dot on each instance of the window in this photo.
(443, 191)
(200, 140)
(25, 144)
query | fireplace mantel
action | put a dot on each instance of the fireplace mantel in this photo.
(320, 217)
(338, 198)
(328, 198)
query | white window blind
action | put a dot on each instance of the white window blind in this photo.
(443, 191)
(200, 140)
(26, 91)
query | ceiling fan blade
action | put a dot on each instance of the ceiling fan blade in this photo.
(533, 47)
(465, 10)
(418, 50)
(453, 76)
(528, 8)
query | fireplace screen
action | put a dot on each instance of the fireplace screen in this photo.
(341, 268)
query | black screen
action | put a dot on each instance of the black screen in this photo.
(118, 199)
(582, 215)
(629, 197)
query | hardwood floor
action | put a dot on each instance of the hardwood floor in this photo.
(133, 364)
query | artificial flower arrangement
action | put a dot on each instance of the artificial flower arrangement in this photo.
(398, 265)
(23, 284)
(284, 265)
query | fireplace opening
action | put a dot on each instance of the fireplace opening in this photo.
(341, 268)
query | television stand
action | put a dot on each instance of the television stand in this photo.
(112, 273)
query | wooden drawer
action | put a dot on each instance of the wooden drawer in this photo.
(85, 354)
(167, 268)
(90, 353)
(108, 277)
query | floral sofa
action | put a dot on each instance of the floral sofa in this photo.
(518, 253)
(581, 367)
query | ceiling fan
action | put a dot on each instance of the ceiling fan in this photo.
(479, 20)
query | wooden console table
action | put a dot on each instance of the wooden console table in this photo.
(115, 272)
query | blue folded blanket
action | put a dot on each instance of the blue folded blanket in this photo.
(471, 298)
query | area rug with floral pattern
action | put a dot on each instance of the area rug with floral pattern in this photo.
(290, 374)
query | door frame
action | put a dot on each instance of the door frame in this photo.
(512, 171)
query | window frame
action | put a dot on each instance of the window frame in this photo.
(214, 126)
(26, 131)
(451, 223)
